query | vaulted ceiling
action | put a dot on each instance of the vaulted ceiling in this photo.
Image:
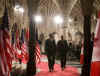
(50, 8)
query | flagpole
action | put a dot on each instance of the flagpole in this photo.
(31, 65)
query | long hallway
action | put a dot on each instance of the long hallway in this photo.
(66, 30)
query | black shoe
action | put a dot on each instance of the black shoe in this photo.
(50, 70)
(63, 68)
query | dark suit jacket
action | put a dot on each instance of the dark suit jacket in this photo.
(62, 47)
(50, 47)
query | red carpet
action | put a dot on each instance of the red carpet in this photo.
(69, 71)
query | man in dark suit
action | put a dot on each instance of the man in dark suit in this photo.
(62, 48)
(50, 49)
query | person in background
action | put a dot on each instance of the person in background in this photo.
(41, 42)
(62, 48)
(50, 49)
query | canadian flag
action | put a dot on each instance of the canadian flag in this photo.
(82, 55)
(95, 65)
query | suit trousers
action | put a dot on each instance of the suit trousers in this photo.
(51, 62)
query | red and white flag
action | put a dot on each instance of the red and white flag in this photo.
(6, 52)
(3, 60)
(38, 53)
(24, 53)
(82, 54)
(95, 65)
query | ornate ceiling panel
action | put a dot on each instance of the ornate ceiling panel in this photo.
(97, 4)
(50, 8)
(66, 6)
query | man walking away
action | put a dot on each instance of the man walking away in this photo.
(50, 49)
(62, 48)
